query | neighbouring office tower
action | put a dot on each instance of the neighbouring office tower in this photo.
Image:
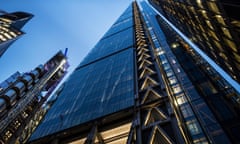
(213, 25)
(22, 95)
(10, 28)
(142, 83)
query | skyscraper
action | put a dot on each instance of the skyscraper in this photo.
(142, 83)
(10, 28)
(213, 25)
(22, 95)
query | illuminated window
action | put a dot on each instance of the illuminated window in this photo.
(161, 52)
(173, 61)
(229, 67)
(218, 45)
(172, 80)
(193, 127)
(209, 45)
(209, 24)
(223, 55)
(181, 99)
(24, 114)
(231, 44)
(6, 20)
(122, 131)
(211, 33)
(178, 70)
(236, 23)
(166, 66)
(220, 19)
(199, 2)
(237, 57)
(226, 32)
(205, 36)
(213, 7)
(202, 29)
(13, 34)
(193, 10)
(7, 35)
(8, 134)
(204, 14)
(174, 45)
(186, 110)
(164, 61)
(2, 38)
(176, 89)
(169, 73)
(200, 141)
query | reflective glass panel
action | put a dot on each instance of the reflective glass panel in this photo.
(93, 91)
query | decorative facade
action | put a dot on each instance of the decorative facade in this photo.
(23, 95)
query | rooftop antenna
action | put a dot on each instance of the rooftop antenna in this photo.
(66, 50)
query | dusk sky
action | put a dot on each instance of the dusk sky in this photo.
(59, 24)
(56, 25)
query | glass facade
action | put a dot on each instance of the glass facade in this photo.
(93, 91)
(123, 22)
(101, 85)
(189, 86)
(142, 68)
(118, 37)
(110, 45)
(212, 25)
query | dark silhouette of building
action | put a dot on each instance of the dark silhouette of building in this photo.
(10, 28)
(22, 95)
(142, 83)
(213, 25)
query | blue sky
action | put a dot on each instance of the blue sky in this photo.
(57, 24)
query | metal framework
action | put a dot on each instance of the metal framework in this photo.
(151, 117)
(221, 90)
(158, 114)
(151, 120)
(17, 117)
